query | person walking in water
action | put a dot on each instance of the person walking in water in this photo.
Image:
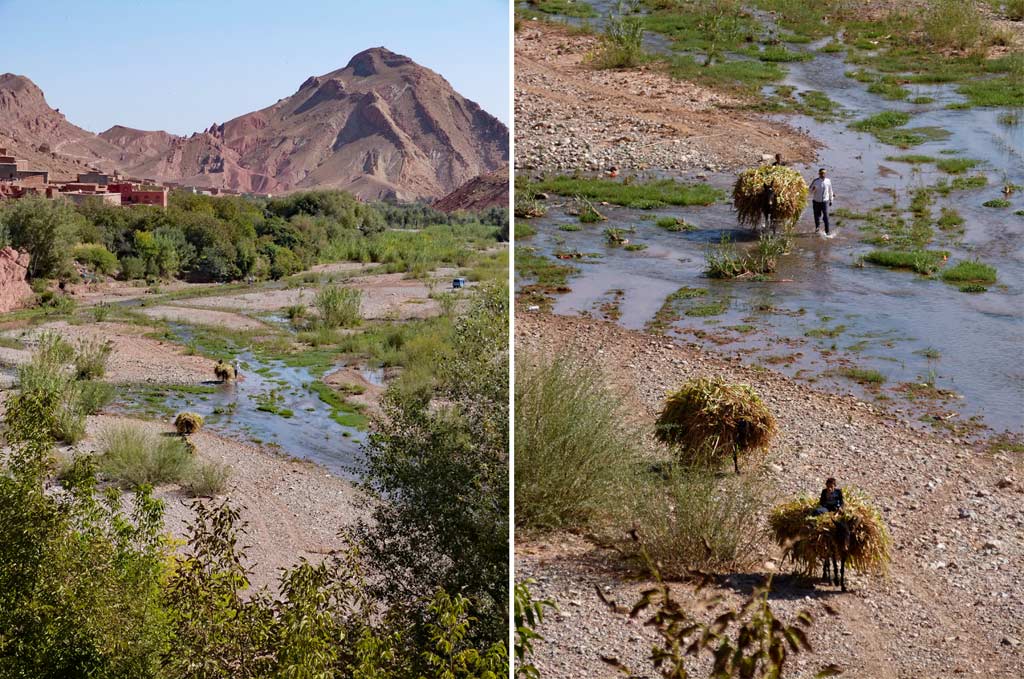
(821, 200)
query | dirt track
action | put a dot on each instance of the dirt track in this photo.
(954, 602)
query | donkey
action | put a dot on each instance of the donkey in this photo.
(840, 537)
(768, 202)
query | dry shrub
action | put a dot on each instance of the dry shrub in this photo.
(134, 456)
(808, 539)
(188, 423)
(693, 519)
(709, 418)
(790, 194)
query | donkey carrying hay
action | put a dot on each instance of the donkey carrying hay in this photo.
(855, 535)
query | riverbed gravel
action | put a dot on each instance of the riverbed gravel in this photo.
(572, 117)
(953, 602)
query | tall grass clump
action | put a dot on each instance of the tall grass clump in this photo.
(692, 519)
(208, 479)
(573, 452)
(724, 260)
(708, 419)
(338, 307)
(91, 359)
(954, 24)
(622, 42)
(134, 456)
(52, 375)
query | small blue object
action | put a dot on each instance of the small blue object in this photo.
(458, 283)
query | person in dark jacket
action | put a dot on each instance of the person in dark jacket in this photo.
(831, 498)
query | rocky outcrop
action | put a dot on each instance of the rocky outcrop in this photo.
(15, 293)
(479, 193)
(381, 127)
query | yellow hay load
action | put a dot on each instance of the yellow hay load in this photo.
(748, 195)
(225, 372)
(188, 423)
(709, 418)
(809, 540)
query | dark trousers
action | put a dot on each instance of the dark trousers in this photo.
(820, 213)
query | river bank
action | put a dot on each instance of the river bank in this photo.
(952, 604)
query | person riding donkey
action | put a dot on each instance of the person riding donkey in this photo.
(831, 499)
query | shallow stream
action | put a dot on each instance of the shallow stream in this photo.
(271, 404)
(911, 329)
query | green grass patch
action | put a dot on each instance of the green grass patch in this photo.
(668, 313)
(889, 90)
(950, 220)
(633, 194)
(674, 224)
(924, 262)
(863, 375)
(746, 77)
(997, 202)
(956, 165)
(343, 412)
(912, 158)
(969, 183)
(569, 227)
(716, 308)
(825, 332)
(1004, 91)
(886, 120)
(969, 272)
(543, 270)
(524, 230)
(922, 100)
(911, 136)
(973, 288)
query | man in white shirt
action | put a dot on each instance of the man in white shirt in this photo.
(821, 199)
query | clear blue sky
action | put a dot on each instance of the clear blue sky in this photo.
(182, 65)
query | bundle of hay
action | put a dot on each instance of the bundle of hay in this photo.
(188, 423)
(809, 539)
(225, 372)
(790, 194)
(709, 418)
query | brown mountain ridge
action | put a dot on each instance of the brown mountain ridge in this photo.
(381, 127)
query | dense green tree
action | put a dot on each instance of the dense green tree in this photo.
(46, 229)
(437, 470)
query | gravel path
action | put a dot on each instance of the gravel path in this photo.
(953, 604)
(570, 116)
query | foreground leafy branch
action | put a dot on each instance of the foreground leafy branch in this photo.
(745, 642)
